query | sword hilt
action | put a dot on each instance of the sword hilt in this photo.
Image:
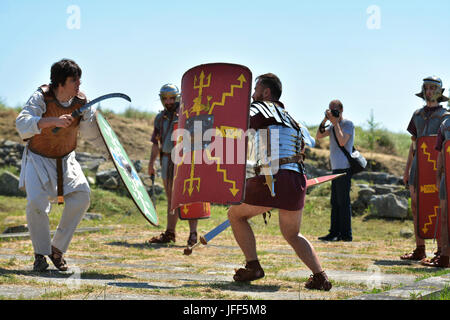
(75, 114)
(203, 241)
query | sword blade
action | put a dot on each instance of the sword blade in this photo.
(104, 97)
(79, 112)
(322, 179)
(214, 232)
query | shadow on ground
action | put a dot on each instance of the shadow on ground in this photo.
(393, 263)
(54, 274)
(231, 286)
(144, 245)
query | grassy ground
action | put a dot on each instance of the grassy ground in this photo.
(376, 242)
(443, 295)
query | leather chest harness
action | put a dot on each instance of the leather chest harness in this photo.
(57, 146)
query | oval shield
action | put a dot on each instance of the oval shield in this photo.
(127, 172)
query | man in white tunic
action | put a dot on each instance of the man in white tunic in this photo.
(49, 171)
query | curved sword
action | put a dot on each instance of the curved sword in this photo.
(77, 113)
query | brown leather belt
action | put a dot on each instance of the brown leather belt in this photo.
(298, 158)
(292, 159)
(59, 177)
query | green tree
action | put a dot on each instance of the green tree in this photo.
(373, 126)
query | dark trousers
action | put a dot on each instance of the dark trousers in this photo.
(341, 209)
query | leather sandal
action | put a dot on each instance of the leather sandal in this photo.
(427, 261)
(58, 260)
(252, 271)
(318, 281)
(40, 263)
(192, 239)
(437, 262)
(165, 237)
(417, 255)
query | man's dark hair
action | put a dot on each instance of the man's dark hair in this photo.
(337, 103)
(271, 81)
(61, 70)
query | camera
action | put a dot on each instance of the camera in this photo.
(335, 113)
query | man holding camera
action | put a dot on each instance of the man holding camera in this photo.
(341, 132)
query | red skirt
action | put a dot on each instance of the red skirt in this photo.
(290, 191)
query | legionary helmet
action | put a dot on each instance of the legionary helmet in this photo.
(439, 96)
(169, 90)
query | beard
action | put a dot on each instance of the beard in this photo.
(170, 106)
(432, 98)
(258, 98)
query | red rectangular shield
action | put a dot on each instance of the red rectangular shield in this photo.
(214, 117)
(446, 151)
(428, 204)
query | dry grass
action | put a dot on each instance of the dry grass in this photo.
(122, 256)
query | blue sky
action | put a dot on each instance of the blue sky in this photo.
(321, 50)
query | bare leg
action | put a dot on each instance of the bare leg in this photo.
(193, 225)
(243, 233)
(412, 190)
(290, 222)
(172, 218)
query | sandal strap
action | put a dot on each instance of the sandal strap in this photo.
(417, 254)
(57, 258)
(438, 262)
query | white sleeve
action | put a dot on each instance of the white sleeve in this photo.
(89, 129)
(28, 118)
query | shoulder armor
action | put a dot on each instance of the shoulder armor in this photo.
(260, 107)
(271, 110)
